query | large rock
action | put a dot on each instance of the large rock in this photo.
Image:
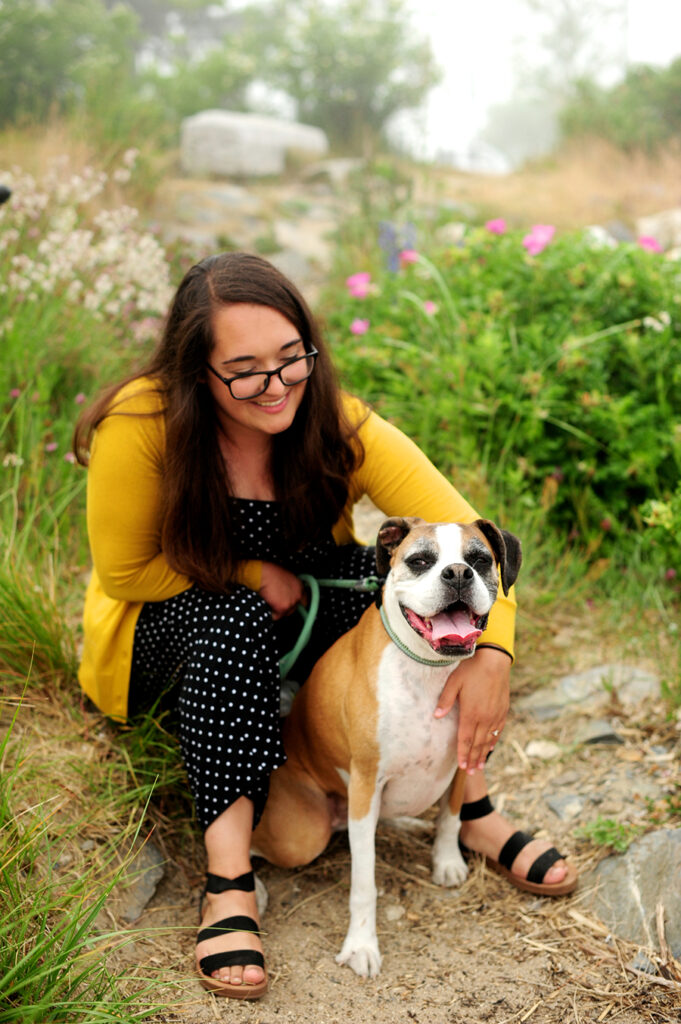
(245, 145)
(586, 691)
(625, 889)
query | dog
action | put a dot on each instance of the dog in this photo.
(362, 740)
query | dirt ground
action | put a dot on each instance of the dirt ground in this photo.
(483, 952)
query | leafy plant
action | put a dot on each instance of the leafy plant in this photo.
(551, 366)
(607, 832)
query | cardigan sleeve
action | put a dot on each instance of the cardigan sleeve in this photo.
(402, 481)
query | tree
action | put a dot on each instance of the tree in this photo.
(643, 111)
(47, 48)
(349, 66)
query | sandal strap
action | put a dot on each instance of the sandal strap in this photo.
(542, 864)
(227, 926)
(238, 957)
(512, 847)
(476, 809)
(216, 883)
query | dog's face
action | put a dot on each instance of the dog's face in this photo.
(445, 576)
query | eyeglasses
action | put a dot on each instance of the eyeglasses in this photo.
(254, 383)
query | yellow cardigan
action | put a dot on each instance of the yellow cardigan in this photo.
(124, 528)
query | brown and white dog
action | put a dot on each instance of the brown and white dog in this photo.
(362, 740)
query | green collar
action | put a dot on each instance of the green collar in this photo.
(405, 650)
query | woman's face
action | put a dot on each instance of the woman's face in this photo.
(249, 338)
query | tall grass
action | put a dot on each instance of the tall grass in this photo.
(55, 952)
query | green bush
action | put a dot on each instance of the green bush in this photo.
(640, 112)
(555, 376)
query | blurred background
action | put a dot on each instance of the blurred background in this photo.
(481, 87)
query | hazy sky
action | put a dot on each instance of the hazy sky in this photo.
(475, 45)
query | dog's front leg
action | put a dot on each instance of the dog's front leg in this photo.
(449, 867)
(360, 949)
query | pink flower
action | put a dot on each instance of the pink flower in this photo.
(15, 393)
(496, 226)
(358, 284)
(649, 243)
(51, 446)
(670, 574)
(539, 237)
(80, 398)
(359, 326)
(430, 308)
(70, 457)
(409, 256)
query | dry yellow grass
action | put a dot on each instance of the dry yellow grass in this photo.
(591, 183)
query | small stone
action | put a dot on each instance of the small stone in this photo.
(394, 912)
(597, 730)
(544, 749)
(641, 962)
(143, 876)
(567, 807)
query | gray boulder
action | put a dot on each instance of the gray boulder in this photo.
(586, 691)
(625, 890)
(228, 143)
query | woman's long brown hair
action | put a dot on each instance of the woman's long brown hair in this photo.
(311, 460)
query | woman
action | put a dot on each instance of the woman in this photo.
(217, 475)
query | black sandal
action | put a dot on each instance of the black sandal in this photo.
(518, 841)
(237, 957)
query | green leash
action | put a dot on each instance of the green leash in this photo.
(367, 584)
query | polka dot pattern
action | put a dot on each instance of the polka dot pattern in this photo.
(219, 655)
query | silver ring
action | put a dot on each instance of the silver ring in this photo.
(495, 732)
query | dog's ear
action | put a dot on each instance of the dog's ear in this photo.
(390, 536)
(506, 549)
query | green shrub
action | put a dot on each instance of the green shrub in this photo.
(556, 376)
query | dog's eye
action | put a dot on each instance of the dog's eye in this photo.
(481, 562)
(419, 563)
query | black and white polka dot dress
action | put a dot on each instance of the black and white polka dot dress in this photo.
(218, 656)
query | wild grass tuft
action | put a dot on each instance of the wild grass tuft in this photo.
(55, 952)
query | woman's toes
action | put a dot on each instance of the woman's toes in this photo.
(253, 975)
(556, 873)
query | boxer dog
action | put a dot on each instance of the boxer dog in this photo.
(362, 740)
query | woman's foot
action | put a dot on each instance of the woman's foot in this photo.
(533, 865)
(234, 916)
(489, 834)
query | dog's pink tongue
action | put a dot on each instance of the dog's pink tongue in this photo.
(456, 624)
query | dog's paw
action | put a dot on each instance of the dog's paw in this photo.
(362, 956)
(450, 870)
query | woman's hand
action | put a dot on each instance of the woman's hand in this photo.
(282, 590)
(481, 685)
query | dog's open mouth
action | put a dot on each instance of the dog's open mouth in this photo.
(454, 628)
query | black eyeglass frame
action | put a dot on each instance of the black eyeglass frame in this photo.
(268, 374)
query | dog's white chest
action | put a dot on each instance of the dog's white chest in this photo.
(418, 751)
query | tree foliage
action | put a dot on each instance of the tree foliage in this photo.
(48, 52)
(349, 66)
(643, 111)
